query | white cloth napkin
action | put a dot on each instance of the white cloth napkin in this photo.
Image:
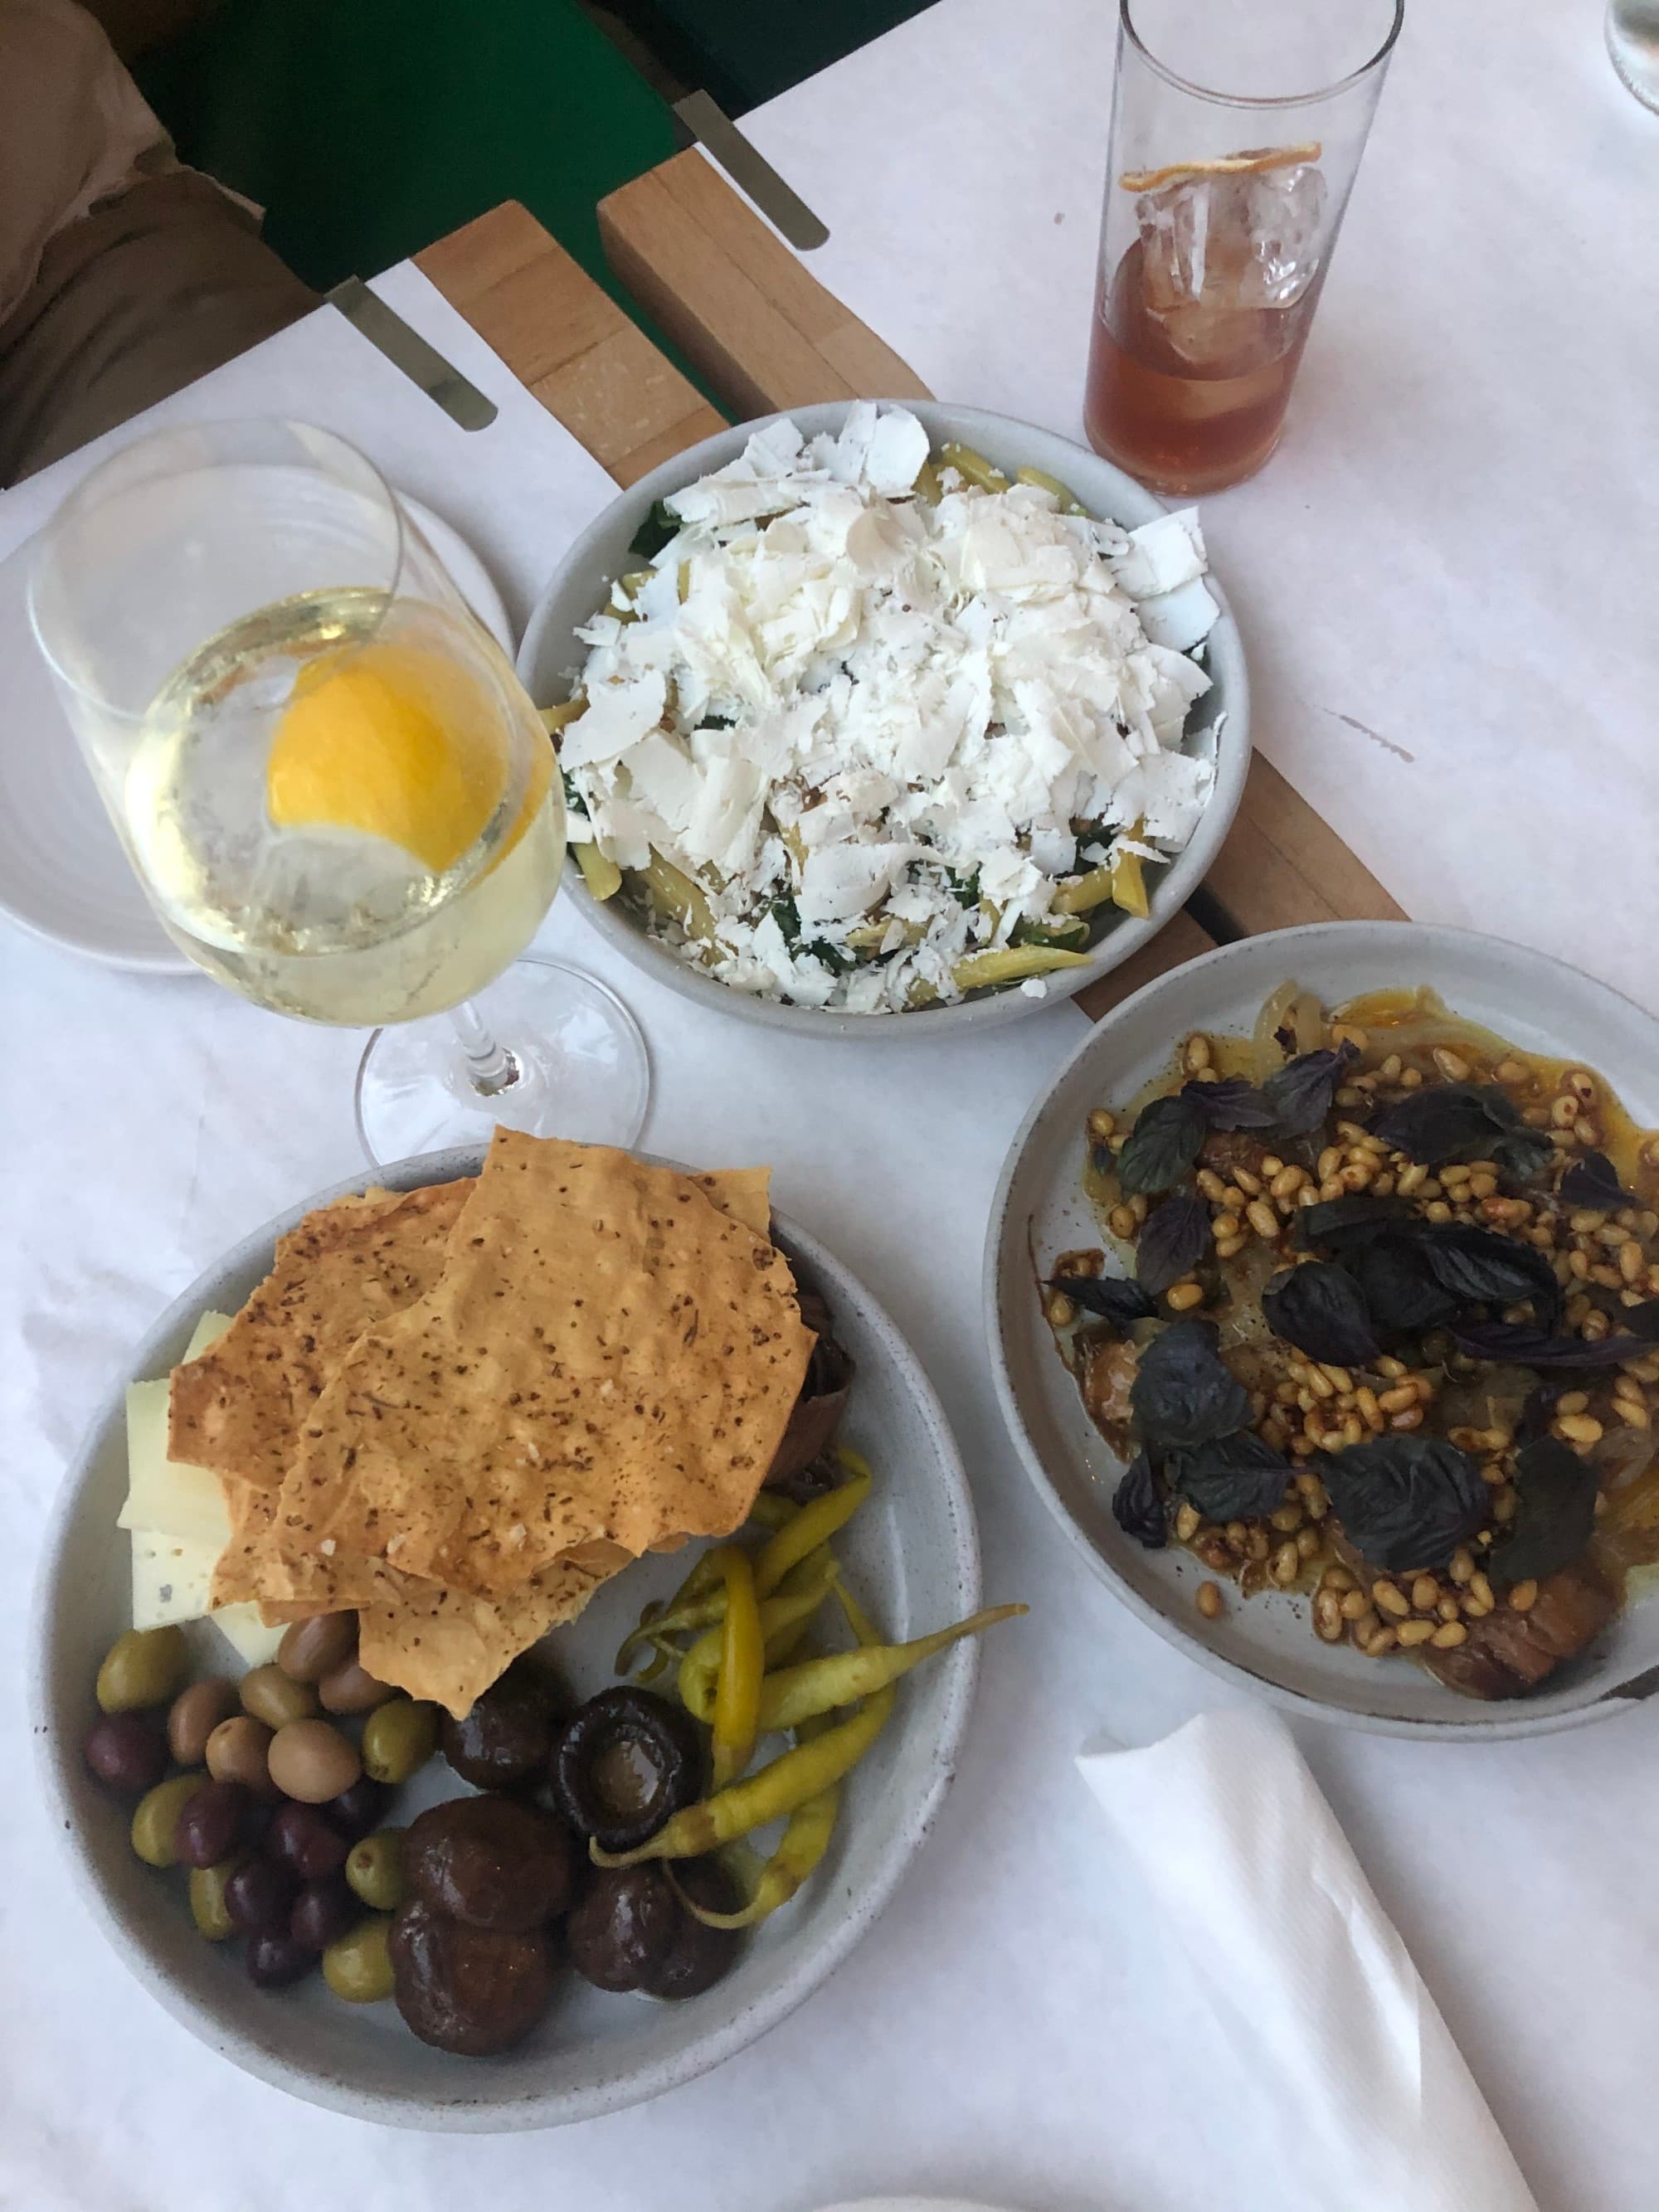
(1307, 1974)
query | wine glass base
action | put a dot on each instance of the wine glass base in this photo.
(580, 1069)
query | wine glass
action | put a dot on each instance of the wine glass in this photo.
(332, 786)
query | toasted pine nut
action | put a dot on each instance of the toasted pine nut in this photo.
(1209, 1600)
(1223, 1226)
(1389, 1365)
(1262, 1218)
(1248, 1184)
(1579, 1429)
(1572, 1402)
(1631, 1265)
(1411, 1419)
(1524, 1596)
(1397, 1399)
(1482, 1186)
(1212, 1185)
(1448, 1636)
(1425, 1594)
(1329, 1161)
(1355, 1605)
(1452, 1065)
(1309, 1542)
(1286, 1566)
(1228, 1248)
(1287, 1182)
(1327, 1617)
(1565, 1111)
(1414, 1632)
(1368, 1407)
(1187, 1522)
(1101, 1123)
(1579, 1083)
(1287, 1519)
(1337, 1578)
(1389, 1597)
(1195, 1054)
(1182, 1297)
(1380, 1642)
(1121, 1222)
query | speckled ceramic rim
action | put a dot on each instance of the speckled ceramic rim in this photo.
(1424, 952)
(550, 654)
(912, 1805)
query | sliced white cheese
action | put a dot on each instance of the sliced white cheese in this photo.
(169, 1498)
(170, 1578)
(247, 1634)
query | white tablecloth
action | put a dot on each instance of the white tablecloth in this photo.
(1019, 2030)
(1444, 577)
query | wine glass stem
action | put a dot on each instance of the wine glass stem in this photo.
(490, 1067)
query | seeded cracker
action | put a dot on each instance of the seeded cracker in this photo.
(238, 1408)
(606, 1356)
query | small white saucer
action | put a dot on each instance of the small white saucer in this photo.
(62, 873)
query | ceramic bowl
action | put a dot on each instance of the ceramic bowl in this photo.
(1266, 1643)
(1218, 729)
(912, 1553)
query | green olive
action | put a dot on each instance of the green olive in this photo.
(399, 1738)
(207, 1897)
(156, 1816)
(357, 1966)
(146, 1667)
(375, 1870)
(275, 1698)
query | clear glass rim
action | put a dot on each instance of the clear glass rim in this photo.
(1267, 102)
(72, 504)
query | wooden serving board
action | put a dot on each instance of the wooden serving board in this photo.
(767, 334)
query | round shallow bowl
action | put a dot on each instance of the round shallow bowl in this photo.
(1218, 729)
(1266, 1643)
(913, 1553)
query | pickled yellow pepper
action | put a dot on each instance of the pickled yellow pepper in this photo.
(741, 1665)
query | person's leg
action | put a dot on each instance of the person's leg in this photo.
(133, 302)
(122, 275)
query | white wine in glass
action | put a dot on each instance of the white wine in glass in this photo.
(334, 789)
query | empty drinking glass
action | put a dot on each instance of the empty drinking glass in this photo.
(1236, 132)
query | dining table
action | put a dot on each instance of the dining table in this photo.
(1443, 581)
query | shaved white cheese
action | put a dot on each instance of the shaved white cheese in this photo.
(1161, 556)
(874, 728)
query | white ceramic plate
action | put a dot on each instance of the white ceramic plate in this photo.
(913, 1553)
(62, 873)
(550, 656)
(1266, 1642)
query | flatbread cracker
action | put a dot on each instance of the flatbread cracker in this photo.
(606, 1355)
(450, 1647)
(237, 1407)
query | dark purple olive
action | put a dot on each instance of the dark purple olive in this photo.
(209, 1824)
(623, 1926)
(127, 1753)
(322, 1911)
(302, 1839)
(355, 1811)
(623, 1764)
(259, 1898)
(274, 1961)
(696, 1956)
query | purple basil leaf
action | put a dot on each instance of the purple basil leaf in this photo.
(1163, 1146)
(1300, 1093)
(1137, 1507)
(1108, 1298)
(1400, 1292)
(1174, 1237)
(1406, 1501)
(1322, 1310)
(1538, 1410)
(1478, 1266)
(1338, 1224)
(1236, 1478)
(1184, 1393)
(1554, 1517)
(1234, 1103)
(1519, 1343)
(1592, 1181)
(1462, 1122)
